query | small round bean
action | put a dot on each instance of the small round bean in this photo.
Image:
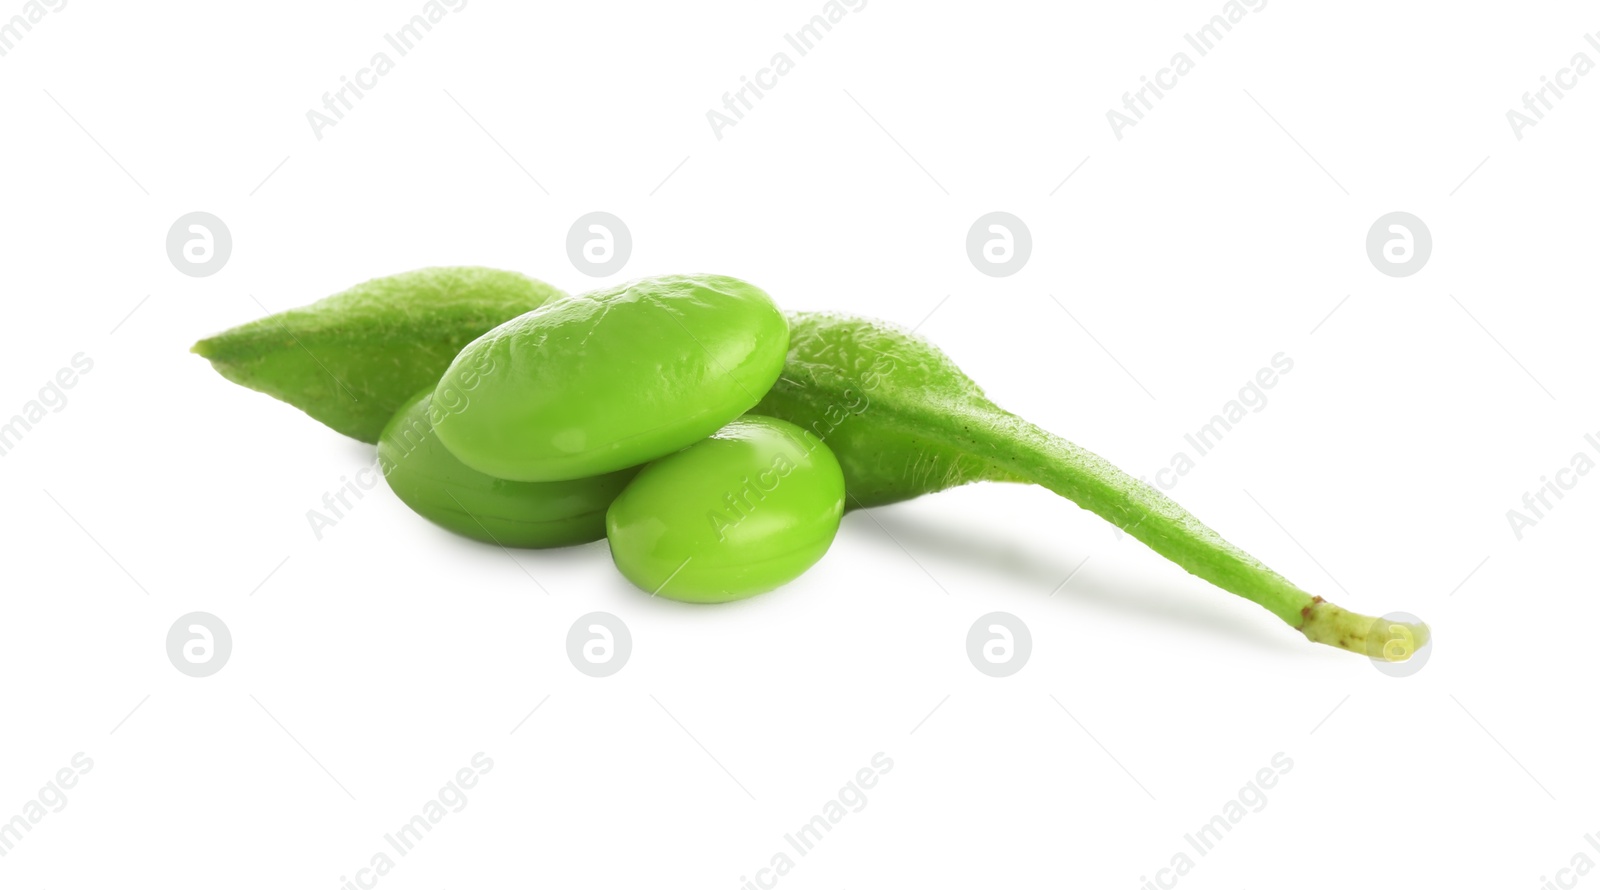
(447, 492)
(742, 512)
(611, 379)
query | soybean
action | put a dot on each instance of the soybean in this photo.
(613, 378)
(581, 389)
(742, 512)
(445, 491)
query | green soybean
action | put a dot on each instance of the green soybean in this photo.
(611, 379)
(742, 512)
(905, 421)
(581, 387)
(445, 491)
(351, 360)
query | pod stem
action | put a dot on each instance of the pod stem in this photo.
(1381, 638)
(1017, 447)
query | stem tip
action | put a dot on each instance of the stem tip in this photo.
(1385, 638)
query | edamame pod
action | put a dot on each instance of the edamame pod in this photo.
(352, 359)
(739, 513)
(612, 378)
(905, 421)
(443, 490)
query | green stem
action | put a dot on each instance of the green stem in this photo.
(1017, 447)
(1389, 640)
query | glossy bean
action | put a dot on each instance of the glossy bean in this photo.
(739, 513)
(611, 379)
(443, 490)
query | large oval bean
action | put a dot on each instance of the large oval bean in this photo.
(611, 379)
(734, 515)
(447, 492)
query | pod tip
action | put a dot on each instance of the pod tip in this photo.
(1385, 638)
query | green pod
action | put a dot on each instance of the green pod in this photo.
(351, 360)
(611, 379)
(447, 492)
(904, 421)
(742, 512)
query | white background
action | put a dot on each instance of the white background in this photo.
(1226, 227)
